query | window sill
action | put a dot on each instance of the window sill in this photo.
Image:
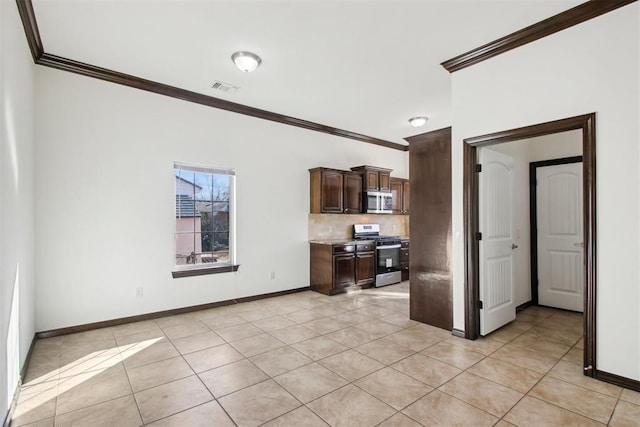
(203, 271)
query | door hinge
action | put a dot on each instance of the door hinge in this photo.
(480, 304)
(478, 168)
(478, 236)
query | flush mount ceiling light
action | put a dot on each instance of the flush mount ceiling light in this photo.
(418, 121)
(246, 61)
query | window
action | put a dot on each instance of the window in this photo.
(204, 212)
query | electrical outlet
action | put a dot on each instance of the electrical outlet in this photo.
(139, 292)
(272, 275)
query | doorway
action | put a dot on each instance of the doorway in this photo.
(556, 233)
(585, 123)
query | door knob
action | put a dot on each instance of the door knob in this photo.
(514, 246)
(579, 245)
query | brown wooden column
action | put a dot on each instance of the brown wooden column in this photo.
(430, 228)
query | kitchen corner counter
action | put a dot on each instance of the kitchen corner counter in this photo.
(340, 242)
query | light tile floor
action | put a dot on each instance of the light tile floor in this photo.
(307, 359)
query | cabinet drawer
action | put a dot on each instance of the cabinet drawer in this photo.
(405, 244)
(404, 255)
(341, 249)
(366, 247)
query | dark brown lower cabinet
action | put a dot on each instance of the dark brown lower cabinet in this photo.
(344, 268)
(365, 268)
(404, 259)
(337, 268)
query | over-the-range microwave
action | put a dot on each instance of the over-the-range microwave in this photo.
(378, 202)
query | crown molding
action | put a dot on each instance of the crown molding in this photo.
(559, 22)
(40, 57)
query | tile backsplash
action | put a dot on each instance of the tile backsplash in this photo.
(340, 226)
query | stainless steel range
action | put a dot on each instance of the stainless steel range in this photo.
(388, 269)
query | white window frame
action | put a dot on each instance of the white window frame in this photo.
(186, 270)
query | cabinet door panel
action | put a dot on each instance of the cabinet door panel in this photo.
(405, 193)
(396, 193)
(384, 181)
(332, 186)
(372, 180)
(365, 268)
(343, 271)
(353, 193)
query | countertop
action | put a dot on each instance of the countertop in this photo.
(339, 242)
(347, 241)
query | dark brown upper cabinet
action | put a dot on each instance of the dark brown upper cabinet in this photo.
(352, 193)
(335, 191)
(400, 193)
(406, 196)
(374, 178)
(339, 191)
(327, 187)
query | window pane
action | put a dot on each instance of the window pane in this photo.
(203, 204)
(184, 247)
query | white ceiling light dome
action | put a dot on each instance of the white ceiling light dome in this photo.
(418, 121)
(246, 61)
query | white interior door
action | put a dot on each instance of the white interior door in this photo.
(560, 236)
(496, 247)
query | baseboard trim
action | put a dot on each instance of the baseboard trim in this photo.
(458, 333)
(27, 360)
(523, 306)
(150, 316)
(12, 407)
(617, 380)
(16, 393)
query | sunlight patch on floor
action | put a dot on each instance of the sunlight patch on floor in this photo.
(46, 387)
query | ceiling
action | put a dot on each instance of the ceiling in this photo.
(362, 66)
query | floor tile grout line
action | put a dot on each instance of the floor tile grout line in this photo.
(213, 396)
(471, 404)
(495, 382)
(111, 399)
(537, 323)
(133, 394)
(348, 381)
(579, 386)
(614, 410)
(529, 391)
(523, 394)
(377, 398)
(564, 409)
(555, 404)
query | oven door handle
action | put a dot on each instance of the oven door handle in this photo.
(388, 246)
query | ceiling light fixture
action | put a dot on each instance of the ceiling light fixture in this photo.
(418, 121)
(246, 61)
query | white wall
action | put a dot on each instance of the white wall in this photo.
(105, 217)
(16, 201)
(592, 67)
(554, 146)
